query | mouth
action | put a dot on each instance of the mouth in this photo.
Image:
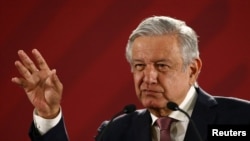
(151, 92)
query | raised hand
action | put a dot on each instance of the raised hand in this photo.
(40, 83)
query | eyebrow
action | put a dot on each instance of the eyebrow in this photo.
(137, 60)
(154, 61)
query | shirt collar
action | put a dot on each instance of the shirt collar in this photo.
(187, 105)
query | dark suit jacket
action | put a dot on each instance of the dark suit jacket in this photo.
(57, 133)
(208, 110)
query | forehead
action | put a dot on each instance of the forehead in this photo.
(153, 48)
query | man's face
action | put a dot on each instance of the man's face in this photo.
(158, 72)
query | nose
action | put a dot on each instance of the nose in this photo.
(150, 75)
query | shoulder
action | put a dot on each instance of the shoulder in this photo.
(217, 99)
(232, 102)
(221, 102)
(221, 109)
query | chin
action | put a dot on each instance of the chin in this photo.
(153, 104)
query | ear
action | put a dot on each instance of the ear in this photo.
(195, 68)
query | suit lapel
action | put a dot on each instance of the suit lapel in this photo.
(203, 114)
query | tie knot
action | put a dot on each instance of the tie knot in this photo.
(164, 123)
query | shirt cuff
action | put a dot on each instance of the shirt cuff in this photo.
(44, 125)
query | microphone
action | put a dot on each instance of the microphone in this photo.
(126, 110)
(174, 107)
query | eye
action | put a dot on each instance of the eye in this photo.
(139, 66)
(162, 67)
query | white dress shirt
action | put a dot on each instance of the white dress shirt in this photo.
(178, 129)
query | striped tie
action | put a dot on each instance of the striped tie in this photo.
(164, 124)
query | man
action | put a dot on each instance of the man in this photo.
(164, 58)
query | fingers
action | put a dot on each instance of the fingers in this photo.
(27, 62)
(18, 81)
(56, 81)
(22, 70)
(33, 74)
(26, 66)
(40, 60)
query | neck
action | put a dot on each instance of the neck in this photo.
(160, 112)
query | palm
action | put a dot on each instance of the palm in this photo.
(43, 94)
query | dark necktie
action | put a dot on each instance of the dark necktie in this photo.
(164, 124)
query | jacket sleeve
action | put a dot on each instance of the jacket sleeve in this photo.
(57, 133)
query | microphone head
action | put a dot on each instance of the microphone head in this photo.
(129, 108)
(172, 106)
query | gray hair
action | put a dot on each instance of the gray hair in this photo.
(162, 25)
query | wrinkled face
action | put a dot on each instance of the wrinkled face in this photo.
(158, 72)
